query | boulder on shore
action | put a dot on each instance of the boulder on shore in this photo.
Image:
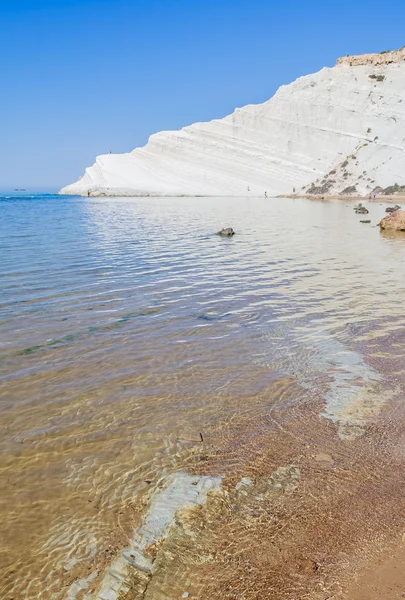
(395, 221)
(226, 232)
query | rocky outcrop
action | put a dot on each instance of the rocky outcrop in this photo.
(340, 129)
(226, 232)
(394, 222)
(386, 57)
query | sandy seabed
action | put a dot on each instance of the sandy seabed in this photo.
(302, 512)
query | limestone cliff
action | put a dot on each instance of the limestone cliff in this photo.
(340, 130)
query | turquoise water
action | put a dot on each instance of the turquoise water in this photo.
(128, 326)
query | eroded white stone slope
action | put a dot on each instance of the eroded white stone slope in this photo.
(341, 128)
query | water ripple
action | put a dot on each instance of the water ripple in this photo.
(127, 327)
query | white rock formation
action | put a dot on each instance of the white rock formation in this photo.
(343, 127)
(182, 491)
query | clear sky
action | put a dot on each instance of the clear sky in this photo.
(82, 77)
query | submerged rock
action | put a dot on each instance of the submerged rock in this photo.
(244, 482)
(395, 221)
(136, 562)
(284, 479)
(360, 209)
(226, 232)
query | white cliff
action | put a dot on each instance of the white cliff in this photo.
(339, 130)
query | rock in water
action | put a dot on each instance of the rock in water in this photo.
(365, 221)
(391, 209)
(395, 221)
(226, 232)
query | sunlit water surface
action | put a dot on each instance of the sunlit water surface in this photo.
(127, 327)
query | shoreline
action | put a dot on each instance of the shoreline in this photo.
(125, 194)
(380, 199)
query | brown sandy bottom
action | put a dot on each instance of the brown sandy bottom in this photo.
(302, 514)
(321, 518)
(383, 578)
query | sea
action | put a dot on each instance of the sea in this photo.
(131, 333)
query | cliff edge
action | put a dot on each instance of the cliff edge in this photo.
(387, 57)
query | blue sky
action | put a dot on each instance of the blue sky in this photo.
(82, 77)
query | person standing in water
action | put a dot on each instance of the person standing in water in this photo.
(265, 194)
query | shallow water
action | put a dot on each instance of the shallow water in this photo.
(127, 327)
